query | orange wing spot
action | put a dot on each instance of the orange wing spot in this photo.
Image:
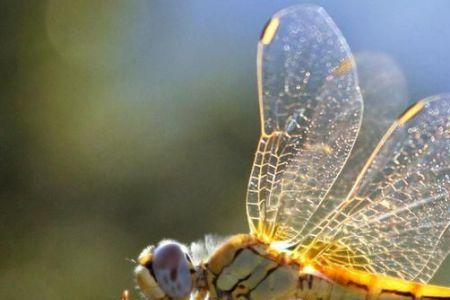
(344, 67)
(410, 112)
(269, 31)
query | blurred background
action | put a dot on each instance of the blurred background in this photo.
(125, 122)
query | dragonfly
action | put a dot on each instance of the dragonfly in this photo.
(325, 220)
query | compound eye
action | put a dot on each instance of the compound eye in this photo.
(172, 269)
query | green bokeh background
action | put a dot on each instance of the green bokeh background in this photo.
(125, 122)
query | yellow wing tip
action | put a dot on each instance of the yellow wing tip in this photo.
(345, 66)
(410, 112)
(269, 31)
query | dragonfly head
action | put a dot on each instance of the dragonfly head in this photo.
(165, 270)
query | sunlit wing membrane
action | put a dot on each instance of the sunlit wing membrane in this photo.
(383, 87)
(384, 90)
(311, 111)
(396, 219)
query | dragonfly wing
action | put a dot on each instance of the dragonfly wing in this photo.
(311, 111)
(384, 90)
(396, 219)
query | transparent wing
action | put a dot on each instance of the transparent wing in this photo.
(384, 90)
(396, 219)
(311, 111)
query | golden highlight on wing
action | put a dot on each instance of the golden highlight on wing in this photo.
(396, 219)
(311, 111)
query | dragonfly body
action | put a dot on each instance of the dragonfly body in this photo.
(319, 229)
(245, 268)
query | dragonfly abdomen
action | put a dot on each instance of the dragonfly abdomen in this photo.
(245, 268)
(337, 284)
